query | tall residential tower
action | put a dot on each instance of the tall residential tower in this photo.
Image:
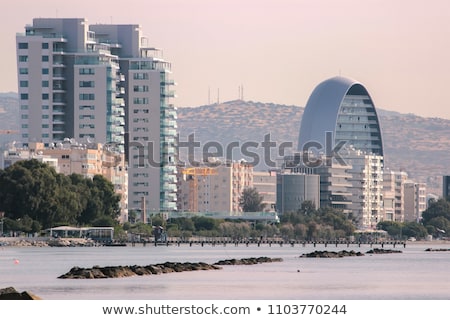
(104, 84)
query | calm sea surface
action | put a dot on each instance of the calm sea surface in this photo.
(412, 274)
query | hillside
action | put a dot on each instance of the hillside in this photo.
(418, 145)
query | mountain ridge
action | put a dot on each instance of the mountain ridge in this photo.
(413, 143)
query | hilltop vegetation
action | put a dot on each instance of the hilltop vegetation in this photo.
(418, 145)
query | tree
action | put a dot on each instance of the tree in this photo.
(393, 228)
(414, 229)
(251, 201)
(439, 208)
(35, 195)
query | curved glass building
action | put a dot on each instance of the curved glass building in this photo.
(344, 107)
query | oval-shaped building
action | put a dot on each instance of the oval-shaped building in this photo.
(343, 107)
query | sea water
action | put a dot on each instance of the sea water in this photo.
(412, 274)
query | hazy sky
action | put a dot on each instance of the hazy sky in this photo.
(278, 50)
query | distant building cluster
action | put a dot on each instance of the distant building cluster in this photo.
(96, 99)
(340, 128)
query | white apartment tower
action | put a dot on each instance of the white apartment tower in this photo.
(393, 187)
(104, 84)
(415, 200)
(367, 187)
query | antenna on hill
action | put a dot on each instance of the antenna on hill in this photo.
(241, 92)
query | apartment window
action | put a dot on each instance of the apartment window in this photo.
(87, 71)
(24, 107)
(45, 107)
(87, 107)
(87, 84)
(90, 126)
(25, 135)
(23, 45)
(44, 70)
(23, 70)
(87, 116)
(140, 88)
(45, 135)
(45, 83)
(45, 96)
(24, 126)
(45, 126)
(45, 116)
(24, 116)
(45, 45)
(87, 96)
(44, 58)
(23, 83)
(23, 58)
(140, 100)
(90, 135)
(24, 96)
(140, 76)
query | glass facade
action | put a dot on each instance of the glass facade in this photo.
(357, 122)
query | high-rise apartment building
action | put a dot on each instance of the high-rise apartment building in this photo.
(104, 84)
(367, 187)
(415, 200)
(215, 188)
(393, 186)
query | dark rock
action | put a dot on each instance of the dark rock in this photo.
(331, 254)
(440, 249)
(248, 261)
(382, 251)
(12, 294)
(97, 272)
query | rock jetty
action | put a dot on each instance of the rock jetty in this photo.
(98, 272)
(11, 293)
(331, 254)
(439, 249)
(247, 261)
(382, 251)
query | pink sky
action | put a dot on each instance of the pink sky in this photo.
(279, 50)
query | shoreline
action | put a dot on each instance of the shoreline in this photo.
(77, 242)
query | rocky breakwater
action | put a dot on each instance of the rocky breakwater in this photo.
(98, 272)
(247, 261)
(331, 254)
(382, 251)
(344, 253)
(11, 293)
(438, 249)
